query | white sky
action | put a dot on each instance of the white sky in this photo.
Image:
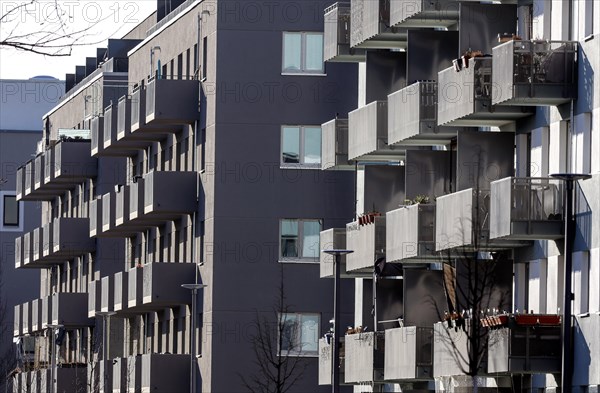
(106, 19)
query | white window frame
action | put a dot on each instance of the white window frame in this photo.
(301, 164)
(299, 259)
(302, 70)
(11, 228)
(298, 316)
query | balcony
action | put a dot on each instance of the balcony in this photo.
(525, 350)
(113, 209)
(409, 354)
(412, 117)
(69, 309)
(410, 234)
(68, 163)
(97, 135)
(326, 361)
(66, 238)
(18, 321)
(128, 105)
(160, 202)
(534, 73)
(465, 98)
(127, 374)
(335, 145)
(370, 20)
(158, 285)
(423, 13)
(526, 209)
(27, 179)
(165, 373)
(462, 222)
(368, 134)
(337, 35)
(368, 243)
(171, 102)
(364, 357)
(334, 238)
(118, 140)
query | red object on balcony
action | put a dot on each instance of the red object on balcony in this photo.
(537, 320)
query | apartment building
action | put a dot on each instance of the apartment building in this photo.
(23, 102)
(460, 245)
(187, 152)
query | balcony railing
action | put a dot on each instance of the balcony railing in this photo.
(412, 116)
(368, 134)
(158, 285)
(67, 238)
(28, 178)
(332, 239)
(462, 222)
(410, 234)
(69, 309)
(335, 145)
(107, 298)
(465, 97)
(409, 354)
(534, 73)
(165, 373)
(326, 361)
(525, 350)
(526, 209)
(94, 298)
(423, 13)
(368, 243)
(364, 357)
(71, 162)
(41, 310)
(370, 21)
(121, 292)
(18, 321)
(450, 351)
(97, 135)
(337, 35)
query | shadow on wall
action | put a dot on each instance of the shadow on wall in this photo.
(585, 83)
(583, 219)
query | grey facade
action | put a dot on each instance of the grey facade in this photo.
(185, 183)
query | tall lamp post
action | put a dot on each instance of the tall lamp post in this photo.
(193, 365)
(337, 332)
(105, 346)
(53, 328)
(569, 180)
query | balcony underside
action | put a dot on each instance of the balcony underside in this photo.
(483, 117)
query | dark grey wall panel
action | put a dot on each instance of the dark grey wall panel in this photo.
(384, 188)
(429, 52)
(483, 157)
(430, 172)
(425, 297)
(480, 25)
(386, 73)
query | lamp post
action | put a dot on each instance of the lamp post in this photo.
(335, 369)
(105, 346)
(569, 180)
(194, 288)
(53, 328)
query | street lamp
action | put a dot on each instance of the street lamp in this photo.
(570, 227)
(105, 346)
(193, 365)
(337, 253)
(53, 328)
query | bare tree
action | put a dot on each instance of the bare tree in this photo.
(43, 27)
(276, 350)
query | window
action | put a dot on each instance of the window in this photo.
(299, 240)
(11, 212)
(301, 145)
(302, 53)
(300, 334)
